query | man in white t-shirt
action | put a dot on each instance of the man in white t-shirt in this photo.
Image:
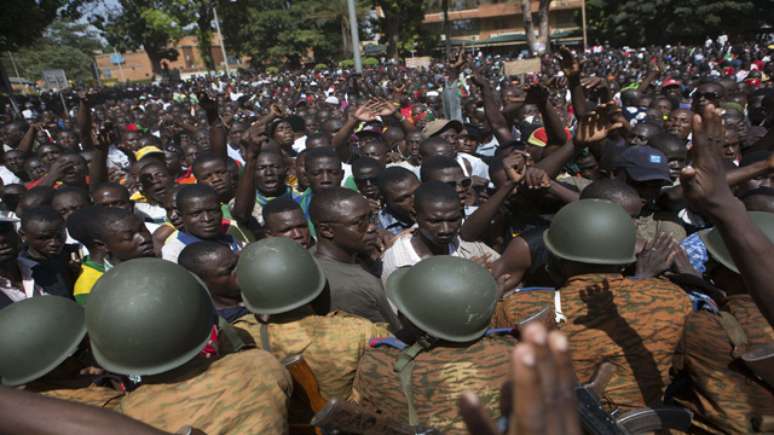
(439, 218)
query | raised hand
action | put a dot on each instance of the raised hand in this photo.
(366, 113)
(571, 66)
(515, 166)
(542, 390)
(206, 102)
(536, 178)
(704, 181)
(598, 124)
(537, 94)
(656, 257)
(105, 137)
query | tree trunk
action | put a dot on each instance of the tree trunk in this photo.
(538, 43)
(344, 38)
(155, 60)
(545, 28)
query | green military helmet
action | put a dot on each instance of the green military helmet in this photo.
(447, 297)
(717, 247)
(148, 316)
(278, 275)
(36, 335)
(592, 231)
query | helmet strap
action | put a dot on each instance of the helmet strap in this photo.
(404, 366)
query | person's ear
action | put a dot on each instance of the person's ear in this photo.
(325, 230)
(22, 236)
(100, 245)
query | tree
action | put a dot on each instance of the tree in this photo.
(538, 43)
(277, 31)
(637, 23)
(401, 24)
(337, 11)
(154, 25)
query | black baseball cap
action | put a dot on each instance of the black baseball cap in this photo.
(644, 163)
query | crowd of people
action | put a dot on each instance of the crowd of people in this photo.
(416, 235)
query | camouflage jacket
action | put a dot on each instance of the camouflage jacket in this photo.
(722, 394)
(93, 395)
(332, 345)
(439, 377)
(633, 324)
(240, 393)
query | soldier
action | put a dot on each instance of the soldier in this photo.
(40, 340)
(723, 394)
(149, 319)
(284, 287)
(444, 349)
(633, 323)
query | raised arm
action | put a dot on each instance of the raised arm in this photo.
(340, 140)
(218, 131)
(494, 116)
(25, 144)
(98, 171)
(83, 120)
(572, 68)
(538, 95)
(244, 200)
(707, 191)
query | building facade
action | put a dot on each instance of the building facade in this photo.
(499, 23)
(136, 65)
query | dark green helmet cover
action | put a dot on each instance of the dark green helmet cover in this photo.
(447, 297)
(148, 316)
(36, 335)
(717, 247)
(278, 275)
(592, 231)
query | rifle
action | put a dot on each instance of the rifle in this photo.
(339, 416)
(597, 421)
(306, 395)
(760, 360)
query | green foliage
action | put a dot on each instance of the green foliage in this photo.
(272, 70)
(153, 24)
(401, 25)
(22, 22)
(367, 62)
(65, 45)
(320, 67)
(638, 22)
(270, 31)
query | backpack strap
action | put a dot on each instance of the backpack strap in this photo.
(404, 366)
(265, 342)
(734, 332)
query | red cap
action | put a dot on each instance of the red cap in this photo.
(670, 82)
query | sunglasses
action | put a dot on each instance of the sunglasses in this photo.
(707, 95)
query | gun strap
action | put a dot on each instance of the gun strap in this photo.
(735, 333)
(404, 366)
(231, 335)
(265, 343)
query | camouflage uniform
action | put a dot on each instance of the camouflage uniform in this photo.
(93, 395)
(721, 394)
(241, 393)
(332, 345)
(439, 376)
(634, 324)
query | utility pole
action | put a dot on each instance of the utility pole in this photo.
(222, 42)
(355, 36)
